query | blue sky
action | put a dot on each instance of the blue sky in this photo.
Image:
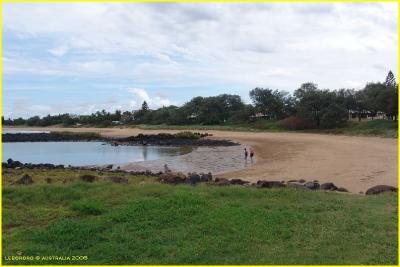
(84, 57)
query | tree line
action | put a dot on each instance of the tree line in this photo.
(308, 107)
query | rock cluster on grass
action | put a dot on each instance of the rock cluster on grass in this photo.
(13, 164)
(193, 178)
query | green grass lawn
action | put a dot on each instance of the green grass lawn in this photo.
(149, 223)
(382, 128)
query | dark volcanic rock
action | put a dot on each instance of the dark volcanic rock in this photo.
(172, 178)
(162, 139)
(24, 180)
(312, 185)
(378, 189)
(13, 164)
(269, 184)
(165, 139)
(221, 181)
(117, 179)
(193, 178)
(206, 177)
(328, 186)
(88, 178)
(238, 181)
(47, 137)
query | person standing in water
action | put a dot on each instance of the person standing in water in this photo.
(245, 153)
(251, 154)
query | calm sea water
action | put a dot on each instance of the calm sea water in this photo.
(85, 153)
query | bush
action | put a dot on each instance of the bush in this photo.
(333, 116)
(293, 123)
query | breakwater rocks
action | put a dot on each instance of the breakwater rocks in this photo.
(15, 164)
(162, 139)
(179, 139)
(50, 137)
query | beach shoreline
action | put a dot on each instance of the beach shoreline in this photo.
(354, 162)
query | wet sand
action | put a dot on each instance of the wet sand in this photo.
(201, 159)
(354, 162)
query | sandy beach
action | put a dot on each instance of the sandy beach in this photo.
(354, 162)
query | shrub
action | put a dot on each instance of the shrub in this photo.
(333, 116)
(293, 123)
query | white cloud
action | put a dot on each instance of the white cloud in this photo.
(203, 45)
(59, 51)
(153, 102)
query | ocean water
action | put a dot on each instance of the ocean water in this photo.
(85, 153)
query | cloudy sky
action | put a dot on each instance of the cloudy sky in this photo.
(83, 57)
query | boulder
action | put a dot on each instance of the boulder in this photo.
(302, 181)
(269, 184)
(25, 180)
(221, 181)
(172, 178)
(312, 185)
(238, 181)
(117, 179)
(88, 178)
(193, 178)
(328, 186)
(205, 177)
(14, 164)
(378, 189)
(48, 180)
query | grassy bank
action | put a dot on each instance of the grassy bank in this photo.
(149, 223)
(382, 128)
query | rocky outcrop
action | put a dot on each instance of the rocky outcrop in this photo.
(269, 184)
(238, 181)
(162, 139)
(378, 189)
(328, 186)
(221, 181)
(49, 137)
(312, 185)
(172, 178)
(165, 139)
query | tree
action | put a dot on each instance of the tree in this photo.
(321, 108)
(390, 80)
(269, 102)
(145, 106)
(391, 96)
